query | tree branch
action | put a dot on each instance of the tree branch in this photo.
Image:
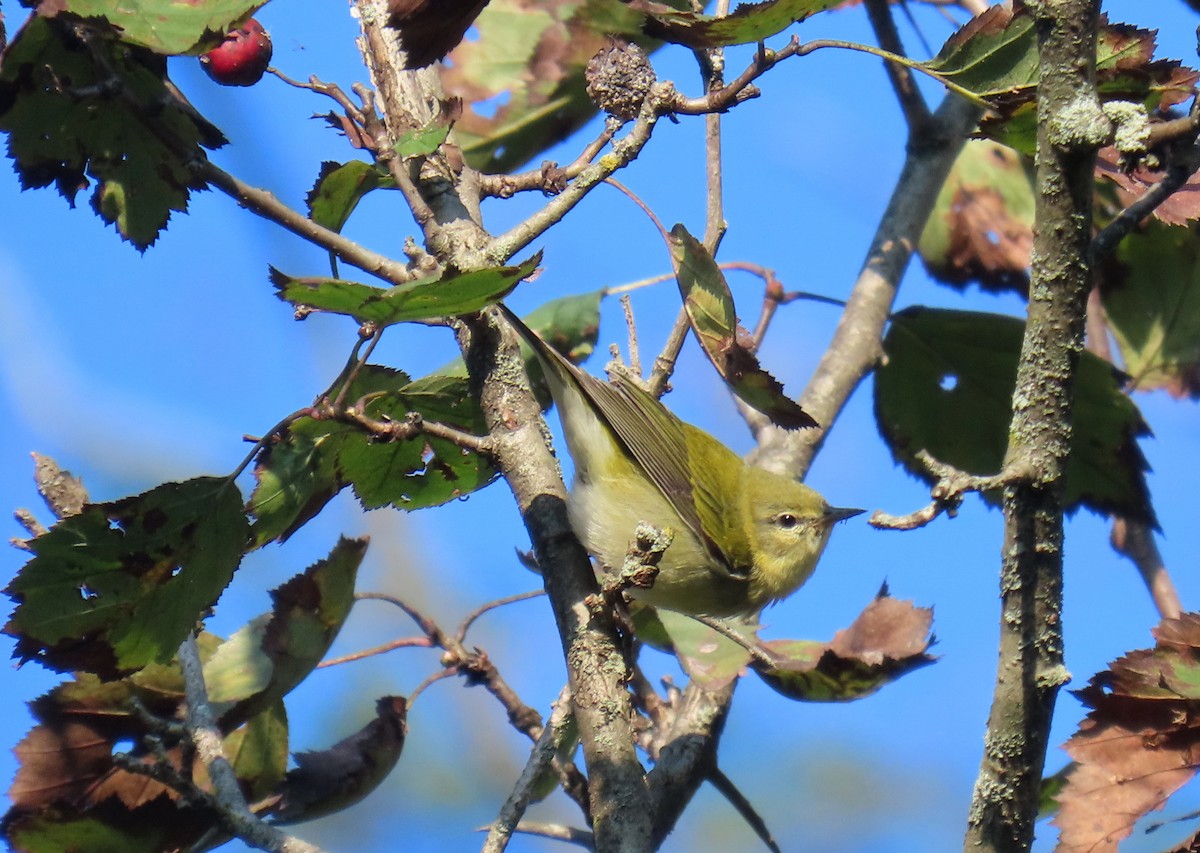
(1071, 128)
(857, 341)
(231, 806)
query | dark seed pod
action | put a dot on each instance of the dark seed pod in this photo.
(619, 78)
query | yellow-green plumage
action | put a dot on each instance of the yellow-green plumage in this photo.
(743, 536)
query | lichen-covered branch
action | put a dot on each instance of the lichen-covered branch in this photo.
(1071, 127)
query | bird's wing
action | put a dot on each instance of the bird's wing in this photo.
(657, 441)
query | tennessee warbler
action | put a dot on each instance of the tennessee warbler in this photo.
(743, 536)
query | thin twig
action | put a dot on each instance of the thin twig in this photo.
(625, 149)
(755, 649)
(549, 179)
(269, 207)
(738, 800)
(403, 643)
(916, 111)
(947, 493)
(632, 196)
(540, 759)
(1181, 168)
(414, 424)
(1135, 540)
(558, 832)
(465, 625)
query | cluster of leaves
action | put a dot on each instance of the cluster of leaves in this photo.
(84, 95)
(105, 768)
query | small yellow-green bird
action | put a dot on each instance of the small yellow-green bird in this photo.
(743, 536)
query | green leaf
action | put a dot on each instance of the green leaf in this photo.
(748, 23)
(994, 57)
(445, 296)
(258, 751)
(981, 227)
(1151, 297)
(164, 26)
(710, 308)
(314, 459)
(135, 143)
(121, 584)
(709, 659)
(948, 368)
(339, 189)
(422, 142)
(65, 828)
(263, 661)
(889, 639)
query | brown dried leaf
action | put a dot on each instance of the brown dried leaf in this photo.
(887, 628)
(429, 29)
(1122, 775)
(981, 228)
(336, 778)
(1138, 745)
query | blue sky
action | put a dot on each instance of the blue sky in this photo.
(134, 370)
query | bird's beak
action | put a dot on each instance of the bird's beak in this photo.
(836, 513)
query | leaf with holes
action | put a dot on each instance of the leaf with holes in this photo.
(946, 387)
(121, 584)
(314, 459)
(981, 227)
(136, 143)
(710, 308)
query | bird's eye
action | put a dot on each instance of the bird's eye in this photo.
(786, 520)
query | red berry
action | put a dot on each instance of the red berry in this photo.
(242, 58)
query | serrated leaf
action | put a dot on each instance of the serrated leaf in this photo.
(314, 459)
(889, 639)
(945, 369)
(747, 24)
(981, 227)
(136, 143)
(1139, 742)
(121, 584)
(708, 658)
(994, 58)
(1151, 297)
(445, 296)
(710, 308)
(263, 661)
(163, 26)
